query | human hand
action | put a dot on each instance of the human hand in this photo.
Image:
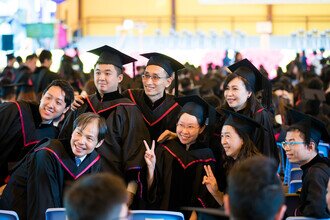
(166, 135)
(78, 102)
(210, 181)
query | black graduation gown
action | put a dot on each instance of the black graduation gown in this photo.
(40, 179)
(21, 128)
(159, 119)
(123, 150)
(42, 77)
(315, 178)
(179, 176)
(264, 139)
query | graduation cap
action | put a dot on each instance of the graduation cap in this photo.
(254, 77)
(10, 56)
(312, 127)
(197, 106)
(169, 64)
(109, 55)
(313, 94)
(208, 213)
(241, 122)
(6, 87)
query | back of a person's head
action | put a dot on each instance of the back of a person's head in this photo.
(255, 190)
(98, 197)
(45, 55)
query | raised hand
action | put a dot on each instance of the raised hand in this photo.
(150, 158)
(210, 181)
(166, 135)
(149, 155)
(78, 102)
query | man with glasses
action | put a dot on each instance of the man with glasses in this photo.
(159, 109)
(123, 151)
(300, 146)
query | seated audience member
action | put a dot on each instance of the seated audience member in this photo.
(39, 180)
(23, 124)
(255, 191)
(300, 146)
(100, 197)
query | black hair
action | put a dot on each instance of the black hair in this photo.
(247, 150)
(66, 87)
(84, 119)
(255, 190)
(45, 55)
(97, 196)
(31, 57)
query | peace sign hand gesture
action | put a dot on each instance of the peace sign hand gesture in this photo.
(150, 158)
(210, 181)
(149, 155)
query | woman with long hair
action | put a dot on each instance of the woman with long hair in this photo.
(240, 90)
(237, 144)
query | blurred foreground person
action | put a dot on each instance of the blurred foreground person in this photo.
(255, 195)
(100, 196)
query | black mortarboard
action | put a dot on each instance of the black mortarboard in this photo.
(241, 122)
(196, 106)
(208, 213)
(247, 70)
(169, 64)
(313, 94)
(109, 55)
(6, 87)
(10, 56)
(309, 125)
(256, 80)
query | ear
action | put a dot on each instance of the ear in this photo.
(66, 109)
(279, 215)
(312, 146)
(169, 80)
(249, 94)
(226, 204)
(120, 77)
(202, 129)
(100, 143)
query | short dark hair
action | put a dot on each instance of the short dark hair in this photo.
(31, 57)
(254, 189)
(66, 87)
(95, 197)
(45, 55)
(86, 118)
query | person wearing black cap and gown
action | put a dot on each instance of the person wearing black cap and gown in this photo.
(177, 177)
(9, 72)
(239, 92)
(40, 179)
(159, 109)
(7, 91)
(23, 124)
(236, 134)
(122, 152)
(301, 141)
